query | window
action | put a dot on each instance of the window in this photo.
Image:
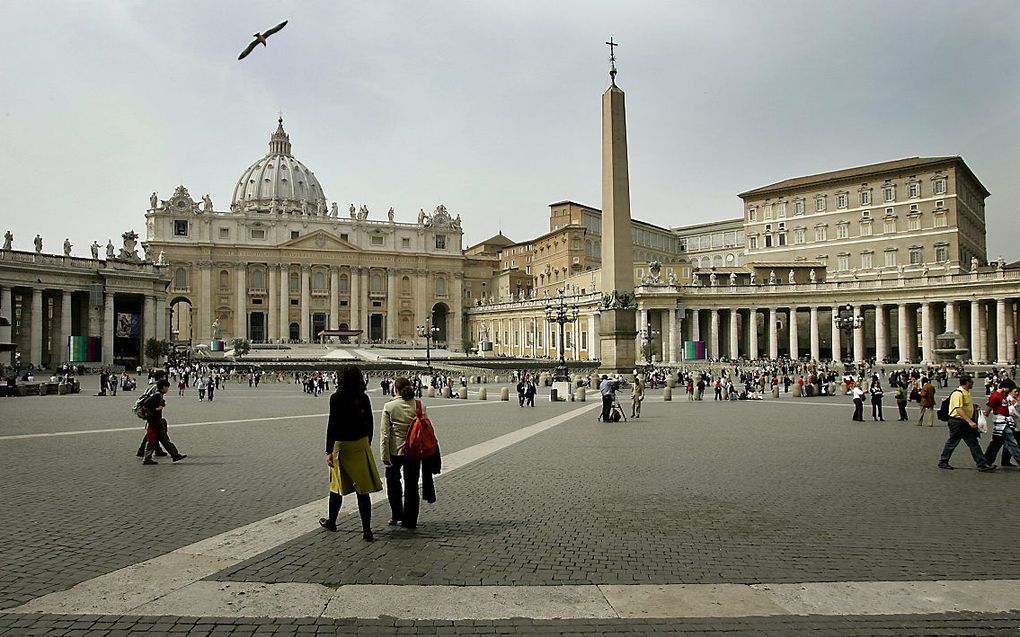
(768, 211)
(843, 262)
(294, 234)
(914, 222)
(440, 242)
(866, 228)
(752, 216)
(940, 220)
(841, 200)
(940, 186)
(345, 284)
(752, 243)
(181, 279)
(819, 204)
(781, 211)
(440, 286)
(913, 207)
(377, 240)
(319, 282)
(889, 225)
(798, 207)
(891, 211)
(819, 233)
(344, 236)
(295, 282)
(224, 280)
(866, 197)
(224, 233)
(377, 283)
(405, 242)
(866, 214)
(799, 235)
(915, 256)
(258, 280)
(914, 189)
(180, 228)
(941, 253)
(889, 193)
(843, 231)
(866, 260)
(768, 241)
(940, 204)
(890, 259)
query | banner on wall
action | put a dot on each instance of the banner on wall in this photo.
(128, 325)
(85, 349)
(694, 350)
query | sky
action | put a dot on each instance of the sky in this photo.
(492, 108)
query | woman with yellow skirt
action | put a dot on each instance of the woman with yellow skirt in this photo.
(352, 467)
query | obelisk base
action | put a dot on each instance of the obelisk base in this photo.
(618, 340)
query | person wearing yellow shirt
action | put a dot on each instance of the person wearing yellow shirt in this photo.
(962, 426)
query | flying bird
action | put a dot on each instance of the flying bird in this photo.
(260, 38)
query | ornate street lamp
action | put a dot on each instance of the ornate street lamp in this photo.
(428, 332)
(562, 314)
(845, 321)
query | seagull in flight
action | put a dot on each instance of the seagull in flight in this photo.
(260, 38)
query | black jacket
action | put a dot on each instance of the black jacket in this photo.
(350, 418)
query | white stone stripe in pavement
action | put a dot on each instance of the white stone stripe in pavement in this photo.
(207, 423)
(123, 590)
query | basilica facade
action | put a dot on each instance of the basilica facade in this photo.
(280, 264)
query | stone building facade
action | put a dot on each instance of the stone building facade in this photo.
(280, 265)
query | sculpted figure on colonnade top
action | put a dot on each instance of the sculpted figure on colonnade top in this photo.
(8, 240)
(790, 277)
(153, 200)
(733, 279)
(67, 247)
(161, 260)
(95, 249)
(334, 211)
(772, 277)
(752, 277)
(811, 275)
(973, 264)
(352, 212)
(207, 203)
(38, 244)
(711, 279)
(390, 214)
(109, 249)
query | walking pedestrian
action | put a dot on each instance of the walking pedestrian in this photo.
(927, 402)
(998, 409)
(396, 420)
(962, 426)
(901, 400)
(156, 427)
(352, 467)
(529, 392)
(637, 397)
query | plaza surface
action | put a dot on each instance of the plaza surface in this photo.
(776, 517)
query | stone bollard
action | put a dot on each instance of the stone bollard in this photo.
(670, 382)
(775, 391)
(842, 388)
(580, 395)
(667, 393)
(63, 388)
(595, 380)
(797, 390)
(431, 393)
(504, 394)
(483, 393)
(446, 392)
(462, 393)
(553, 395)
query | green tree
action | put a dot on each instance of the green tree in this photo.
(156, 349)
(241, 347)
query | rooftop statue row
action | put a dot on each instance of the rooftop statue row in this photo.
(129, 252)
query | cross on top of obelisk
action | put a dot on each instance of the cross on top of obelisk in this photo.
(612, 60)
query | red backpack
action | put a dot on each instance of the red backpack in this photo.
(421, 437)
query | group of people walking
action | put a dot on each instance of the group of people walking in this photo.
(352, 466)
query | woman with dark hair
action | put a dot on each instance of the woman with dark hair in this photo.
(396, 419)
(876, 398)
(349, 449)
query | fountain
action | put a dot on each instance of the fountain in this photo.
(946, 350)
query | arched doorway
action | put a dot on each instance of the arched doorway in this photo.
(440, 316)
(180, 321)
(295, 332)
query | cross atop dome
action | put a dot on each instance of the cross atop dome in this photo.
(279, 143)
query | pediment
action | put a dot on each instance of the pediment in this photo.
(320, 240)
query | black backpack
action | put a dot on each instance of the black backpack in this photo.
(943, 411)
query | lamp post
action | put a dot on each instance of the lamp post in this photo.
(648, 335)
(845, 321)
(428, 332)
(562, 314)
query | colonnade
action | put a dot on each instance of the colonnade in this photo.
(533, 336)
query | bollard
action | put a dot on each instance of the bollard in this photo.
(775, 391)
(483, 394)
(446, 392)
(431, 392)
(797, 390)
(504, 393)
(595, 379)
(667, 393)
(580, 395)
(462, 393)
(553, 395)
(670, 381)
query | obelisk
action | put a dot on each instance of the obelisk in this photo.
(618, 319)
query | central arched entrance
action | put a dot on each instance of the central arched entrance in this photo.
(181, 322)
(440, 319)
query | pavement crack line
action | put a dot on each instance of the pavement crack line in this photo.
(131, 587)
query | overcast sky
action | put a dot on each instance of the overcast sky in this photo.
(492, 108)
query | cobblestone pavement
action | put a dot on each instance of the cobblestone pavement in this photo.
(691, 493)
(75, 507)
(133, 626)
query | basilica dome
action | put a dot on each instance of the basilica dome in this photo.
(278, 181)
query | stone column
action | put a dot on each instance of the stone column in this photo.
(794, 336)
(60, 353)
(334, 297)
(734, 334)
(1010, 331)
(903, 334)
(1001, 339)
(284, 325)
(392, 300)
(695, 325)
(975, 330)
(365, 305)
(306, 303)
(455, 318)
(951, 323)
(35, 329)
(161, 331)
(713, 335)
(816, 349)
(241, 301)
(273, 319)
(7, 311)
(107, 327)
(356, 299)
(752, 333)
(927, 330)
(148, 320)
(983, 312)
(881, 334)
(858, 336)
(421, 311)
(837, 343)
(773, 334)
